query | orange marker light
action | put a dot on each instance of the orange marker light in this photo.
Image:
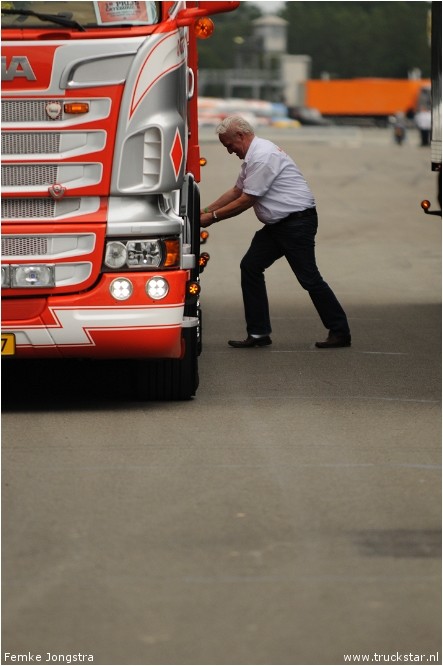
(193, 288)
(425, 204)
(172, 253)
(203, 27)
(204, 235)
(76, 107)
(203, 161)
(203, 260)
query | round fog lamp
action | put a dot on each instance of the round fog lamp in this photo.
(157, 288)
(121, 289)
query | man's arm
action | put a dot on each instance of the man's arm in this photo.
(231, 203)
(224, 199)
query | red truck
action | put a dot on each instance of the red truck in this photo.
(100, 202)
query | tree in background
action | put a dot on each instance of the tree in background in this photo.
(345, 39)
(352, 39)
(219, 52)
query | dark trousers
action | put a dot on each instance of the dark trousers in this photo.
(293, 238)
(425, 136)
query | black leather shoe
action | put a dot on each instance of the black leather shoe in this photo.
(251, 342)
(335, 340)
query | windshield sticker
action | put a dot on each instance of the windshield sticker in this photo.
(124, 12)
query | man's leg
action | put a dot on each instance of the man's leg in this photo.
(262, 253)
(297, 237)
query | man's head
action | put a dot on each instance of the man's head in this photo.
(236, 134)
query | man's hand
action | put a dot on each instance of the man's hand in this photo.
(227, 206)
(206, 219)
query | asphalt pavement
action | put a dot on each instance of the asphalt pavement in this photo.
(291, 512)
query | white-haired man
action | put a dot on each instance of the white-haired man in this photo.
(272, 184)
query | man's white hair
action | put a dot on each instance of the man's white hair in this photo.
(234, 124)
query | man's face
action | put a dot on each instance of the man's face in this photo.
(235, 142)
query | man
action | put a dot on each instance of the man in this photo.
(271, 183)
(423, 120)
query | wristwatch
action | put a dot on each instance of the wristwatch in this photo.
(214, 216)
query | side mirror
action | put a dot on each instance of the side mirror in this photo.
(188, 16)
(218, 7)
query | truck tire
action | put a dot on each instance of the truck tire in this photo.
(178, 379)
(170, 379)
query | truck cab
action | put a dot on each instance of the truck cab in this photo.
(100, 172)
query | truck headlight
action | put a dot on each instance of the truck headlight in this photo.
(115, 256)
(5, 276)
(142, 254)
(32, 275)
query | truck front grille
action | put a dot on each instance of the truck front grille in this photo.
(25, 111)
(16, 209)
(29, 175)
(25, 143)
(25, 246)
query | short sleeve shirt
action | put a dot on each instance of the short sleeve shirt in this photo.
(272, 176)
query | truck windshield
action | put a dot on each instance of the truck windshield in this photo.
(79, 15)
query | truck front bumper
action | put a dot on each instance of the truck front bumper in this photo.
(94, 324)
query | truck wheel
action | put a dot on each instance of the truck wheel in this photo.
(170, 379)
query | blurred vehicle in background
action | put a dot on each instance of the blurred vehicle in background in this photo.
(211, 110)
(308, 116)
(367, 101)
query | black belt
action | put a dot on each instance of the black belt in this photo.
(300, 213)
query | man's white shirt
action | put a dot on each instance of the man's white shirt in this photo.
(271, 175)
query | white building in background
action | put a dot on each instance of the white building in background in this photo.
(264, 69)
(272, 31)
(294, 71)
